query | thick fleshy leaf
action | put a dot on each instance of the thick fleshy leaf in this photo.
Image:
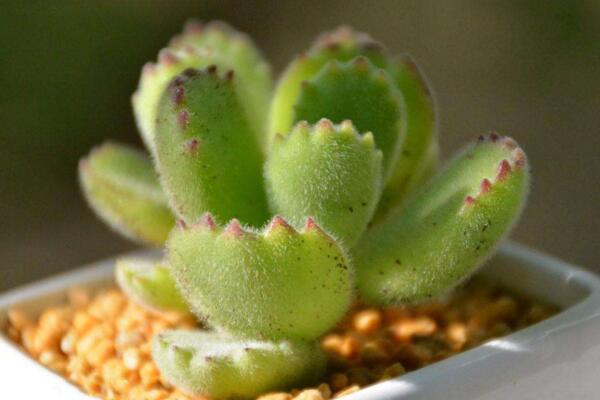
(359, 92)
(336, 177)
(342, 44)
(207, 154)
(279, 283)
(200, 46)
(150, 284)
(449, 229)
(120, 184)
(212, 364)
(418, 158)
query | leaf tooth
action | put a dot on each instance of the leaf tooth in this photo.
(211, 69)
(279, 223)
(325, 126)
(229, 75)
(485, 186)
(234, 228)
(519, 158)
(311, 225)
(177, 93)
(490, 137)
(509, 143)
(206, 221)
(167, 57)
(469, 201)
(347, 126)
(192, 146)
(368, 139)
(503, 171)
(302, 127)
(183, 120)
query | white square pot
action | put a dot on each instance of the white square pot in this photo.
(558, 358)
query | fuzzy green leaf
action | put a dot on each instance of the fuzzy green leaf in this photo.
(342, 44)
(199, 47)
(279, 283)
(211, 364)
(121, 186)
(449, 229)
(207, 154)
(149, 284)
(359, 92)
(336, 178)
(418, 158)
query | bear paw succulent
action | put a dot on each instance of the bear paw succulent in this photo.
(291, 203)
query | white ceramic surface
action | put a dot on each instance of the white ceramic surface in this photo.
(556, 359)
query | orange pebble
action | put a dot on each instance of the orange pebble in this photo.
(404, 329)
(368, 321)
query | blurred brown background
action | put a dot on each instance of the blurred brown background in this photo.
(530, 69)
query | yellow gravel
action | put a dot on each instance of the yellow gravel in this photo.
(101, 341)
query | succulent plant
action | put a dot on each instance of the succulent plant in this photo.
(287, 212)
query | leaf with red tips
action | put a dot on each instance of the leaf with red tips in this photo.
(207, 154)
(485, 186)
(279, 223)
(446, 231)
(206, 221)
(211, 45)
(341, 45)
(328, 172)
(234, 228)
(120, 184)
(210, 363)
(503, 170)
(278, 283)
(378, 109)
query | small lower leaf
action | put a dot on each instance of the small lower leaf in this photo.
(211, 364)
(120, 184)
(150, 284)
